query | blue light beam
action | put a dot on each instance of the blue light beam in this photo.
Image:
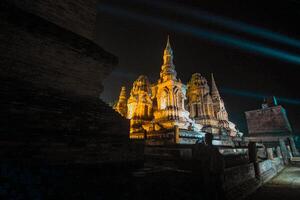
(226, 22)
(204, 33)
(260, 96)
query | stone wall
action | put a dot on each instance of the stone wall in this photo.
(240, 181)
(51, 77)
(78, 16)
(236, 175)
(268, 120)
(74, 181)
(48, 56)
(269, 168)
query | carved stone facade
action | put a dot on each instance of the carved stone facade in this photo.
(157, 109)
(200, 103)
(139, 106)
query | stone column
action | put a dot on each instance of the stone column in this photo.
(278, 151)
(284, 151)
(270, 153)
(176, 134)
(290, 155)
(295, 151)
(252, 151)
(145, 135)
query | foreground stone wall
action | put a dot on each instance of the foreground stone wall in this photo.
(74, 181)
(241, 181)
(37, 51)
(51, 78)
(269, 168)
(77, 16)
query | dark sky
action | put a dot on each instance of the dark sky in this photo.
(242, 75)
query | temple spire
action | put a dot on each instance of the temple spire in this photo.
(214, 89)
(121, 105)
(168, 46)
(122, 96)
(168, 68)
(168, 54)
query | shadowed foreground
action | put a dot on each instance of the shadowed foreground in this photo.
(284, 186)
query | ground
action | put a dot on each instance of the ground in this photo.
(285, 185)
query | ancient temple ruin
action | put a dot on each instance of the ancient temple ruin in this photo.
(51, 76)
(157, 110)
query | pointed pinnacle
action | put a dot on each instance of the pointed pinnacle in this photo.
(168, 46)
(214, 89)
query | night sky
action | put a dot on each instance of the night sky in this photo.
(247, 67)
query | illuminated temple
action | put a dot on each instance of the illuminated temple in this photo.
(171, 110)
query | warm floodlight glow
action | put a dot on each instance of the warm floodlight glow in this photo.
(155, 110)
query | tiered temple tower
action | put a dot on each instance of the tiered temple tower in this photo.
(207, 107)
(200, 103)
(169, 94)
(159, 109)
(139, 107)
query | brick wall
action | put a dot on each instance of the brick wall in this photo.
(268, 120)
(78, 16)
(50, 82)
